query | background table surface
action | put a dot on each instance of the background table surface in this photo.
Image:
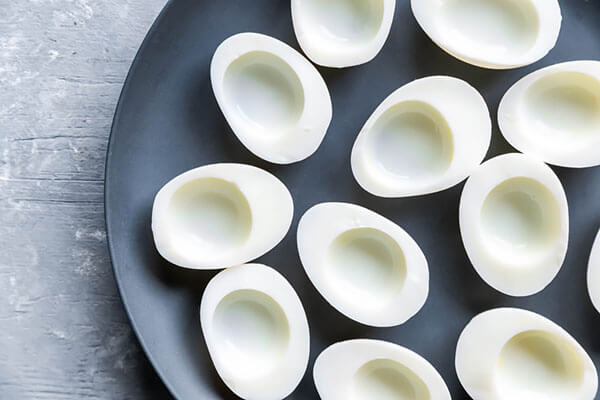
(63, 330)
(64, 333)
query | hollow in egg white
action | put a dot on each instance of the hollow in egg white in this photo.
(514, 223)
(426, 136)
(274, 99)
(496, 34)
(554, 114)
(342, 33)
(366, 369)
(256, 331)
(363, 264)
(510, 353)
(220, 215)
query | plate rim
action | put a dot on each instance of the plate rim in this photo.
(107, 163)
(117, 116)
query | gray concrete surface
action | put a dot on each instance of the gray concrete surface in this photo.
(63, 330)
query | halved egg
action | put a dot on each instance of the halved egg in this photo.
(220, 215)
(366, 369)
(495, 34)
(273, 98)
(425, 137)
(554, 114)
(593, 273)
(514, 223)
(342, 33)
(256, 331)
(364, 265)
(509, 354)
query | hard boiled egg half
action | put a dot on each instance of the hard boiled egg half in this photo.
(365, 369)
(273, 98)
(510, 354)
(514, 223)
(220, 215)
(495, 34)
(593, 273)
(342, 33)
(426, 136)
(554, 114)
(256, 331)
(363, 264)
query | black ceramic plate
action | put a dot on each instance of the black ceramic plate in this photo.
(167, 122)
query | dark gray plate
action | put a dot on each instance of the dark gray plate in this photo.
(167, 122)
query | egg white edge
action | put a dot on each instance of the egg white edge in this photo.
(508, 117)
(311, 127)
(340, 218)
(271, 214)
(295, 361)
(336, 58)
(471, 137)
(548, 13)
(348, 356)
(483, 338)
(593, 273)
(490, 174)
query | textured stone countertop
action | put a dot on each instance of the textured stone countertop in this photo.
(63, 330)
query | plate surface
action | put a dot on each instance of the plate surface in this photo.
(167, 122)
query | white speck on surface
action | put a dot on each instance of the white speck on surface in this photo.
(124, 11)
(59, 333)
(84, 262)
(84, 233)
(73, 148)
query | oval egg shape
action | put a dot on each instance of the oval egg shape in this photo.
(425, 137)
(593, 273)
(364, 265)
(366, 369)
(554, 114)
(273, 98)
(342, 33)
(495, 34)
(510, 353)
(256, 331)
(514, 223)
(220, 215)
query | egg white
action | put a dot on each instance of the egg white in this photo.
(342, 33)
(554, 114)
(366, 369)
(510, 353)
(256, 331)
(495, 34)
(514, 223)
(364, 265)
(220, 215)
(426, 136)
(274, 99)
